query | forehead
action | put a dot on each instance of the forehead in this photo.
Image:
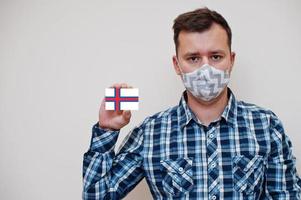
(213, 39)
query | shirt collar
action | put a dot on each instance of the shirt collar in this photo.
(230, 111)
(186, 115)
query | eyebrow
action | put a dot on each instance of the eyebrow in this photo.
(197, 53)
(191, 54)
(218, 51)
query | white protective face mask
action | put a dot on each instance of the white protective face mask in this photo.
(206, 82)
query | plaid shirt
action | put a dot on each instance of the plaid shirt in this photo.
(243, 155)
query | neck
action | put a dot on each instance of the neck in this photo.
(208, 111)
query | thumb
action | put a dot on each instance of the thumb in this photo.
(126, 114)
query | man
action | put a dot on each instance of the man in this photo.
(209, 146)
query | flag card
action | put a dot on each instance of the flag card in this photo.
(121, 98)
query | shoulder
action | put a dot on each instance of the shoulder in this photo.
(255, 112)
(250, 108)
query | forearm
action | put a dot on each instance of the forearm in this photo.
(106, 175)
(283, 181)
(98, 161)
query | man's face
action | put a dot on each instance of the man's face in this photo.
(209, 47)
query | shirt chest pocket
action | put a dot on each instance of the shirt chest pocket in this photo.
(177, 176)
(248, 171)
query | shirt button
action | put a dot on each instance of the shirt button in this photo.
(213, 197)
(213, 165)
(180, 169)
(211, 135)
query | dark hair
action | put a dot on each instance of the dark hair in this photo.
(199, 20)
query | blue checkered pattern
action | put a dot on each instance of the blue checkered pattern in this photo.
(243, 155)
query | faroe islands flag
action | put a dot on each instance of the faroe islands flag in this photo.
(121, 99)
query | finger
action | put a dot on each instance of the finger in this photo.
(119, 112)
(102, 104)
(117, 85)
(127, 85)
(124, 85)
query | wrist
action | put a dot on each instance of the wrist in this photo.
(106, 128)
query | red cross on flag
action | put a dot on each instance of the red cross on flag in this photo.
(121, 98)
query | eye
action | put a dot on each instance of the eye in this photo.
(216, 57)
(193, 59)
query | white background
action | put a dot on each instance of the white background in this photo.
(57, 57)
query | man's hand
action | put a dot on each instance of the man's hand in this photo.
(111, 119)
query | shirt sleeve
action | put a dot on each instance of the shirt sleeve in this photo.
(110, 176)
(282, 178)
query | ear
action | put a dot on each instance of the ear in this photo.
(176, 65)
(232, 60)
